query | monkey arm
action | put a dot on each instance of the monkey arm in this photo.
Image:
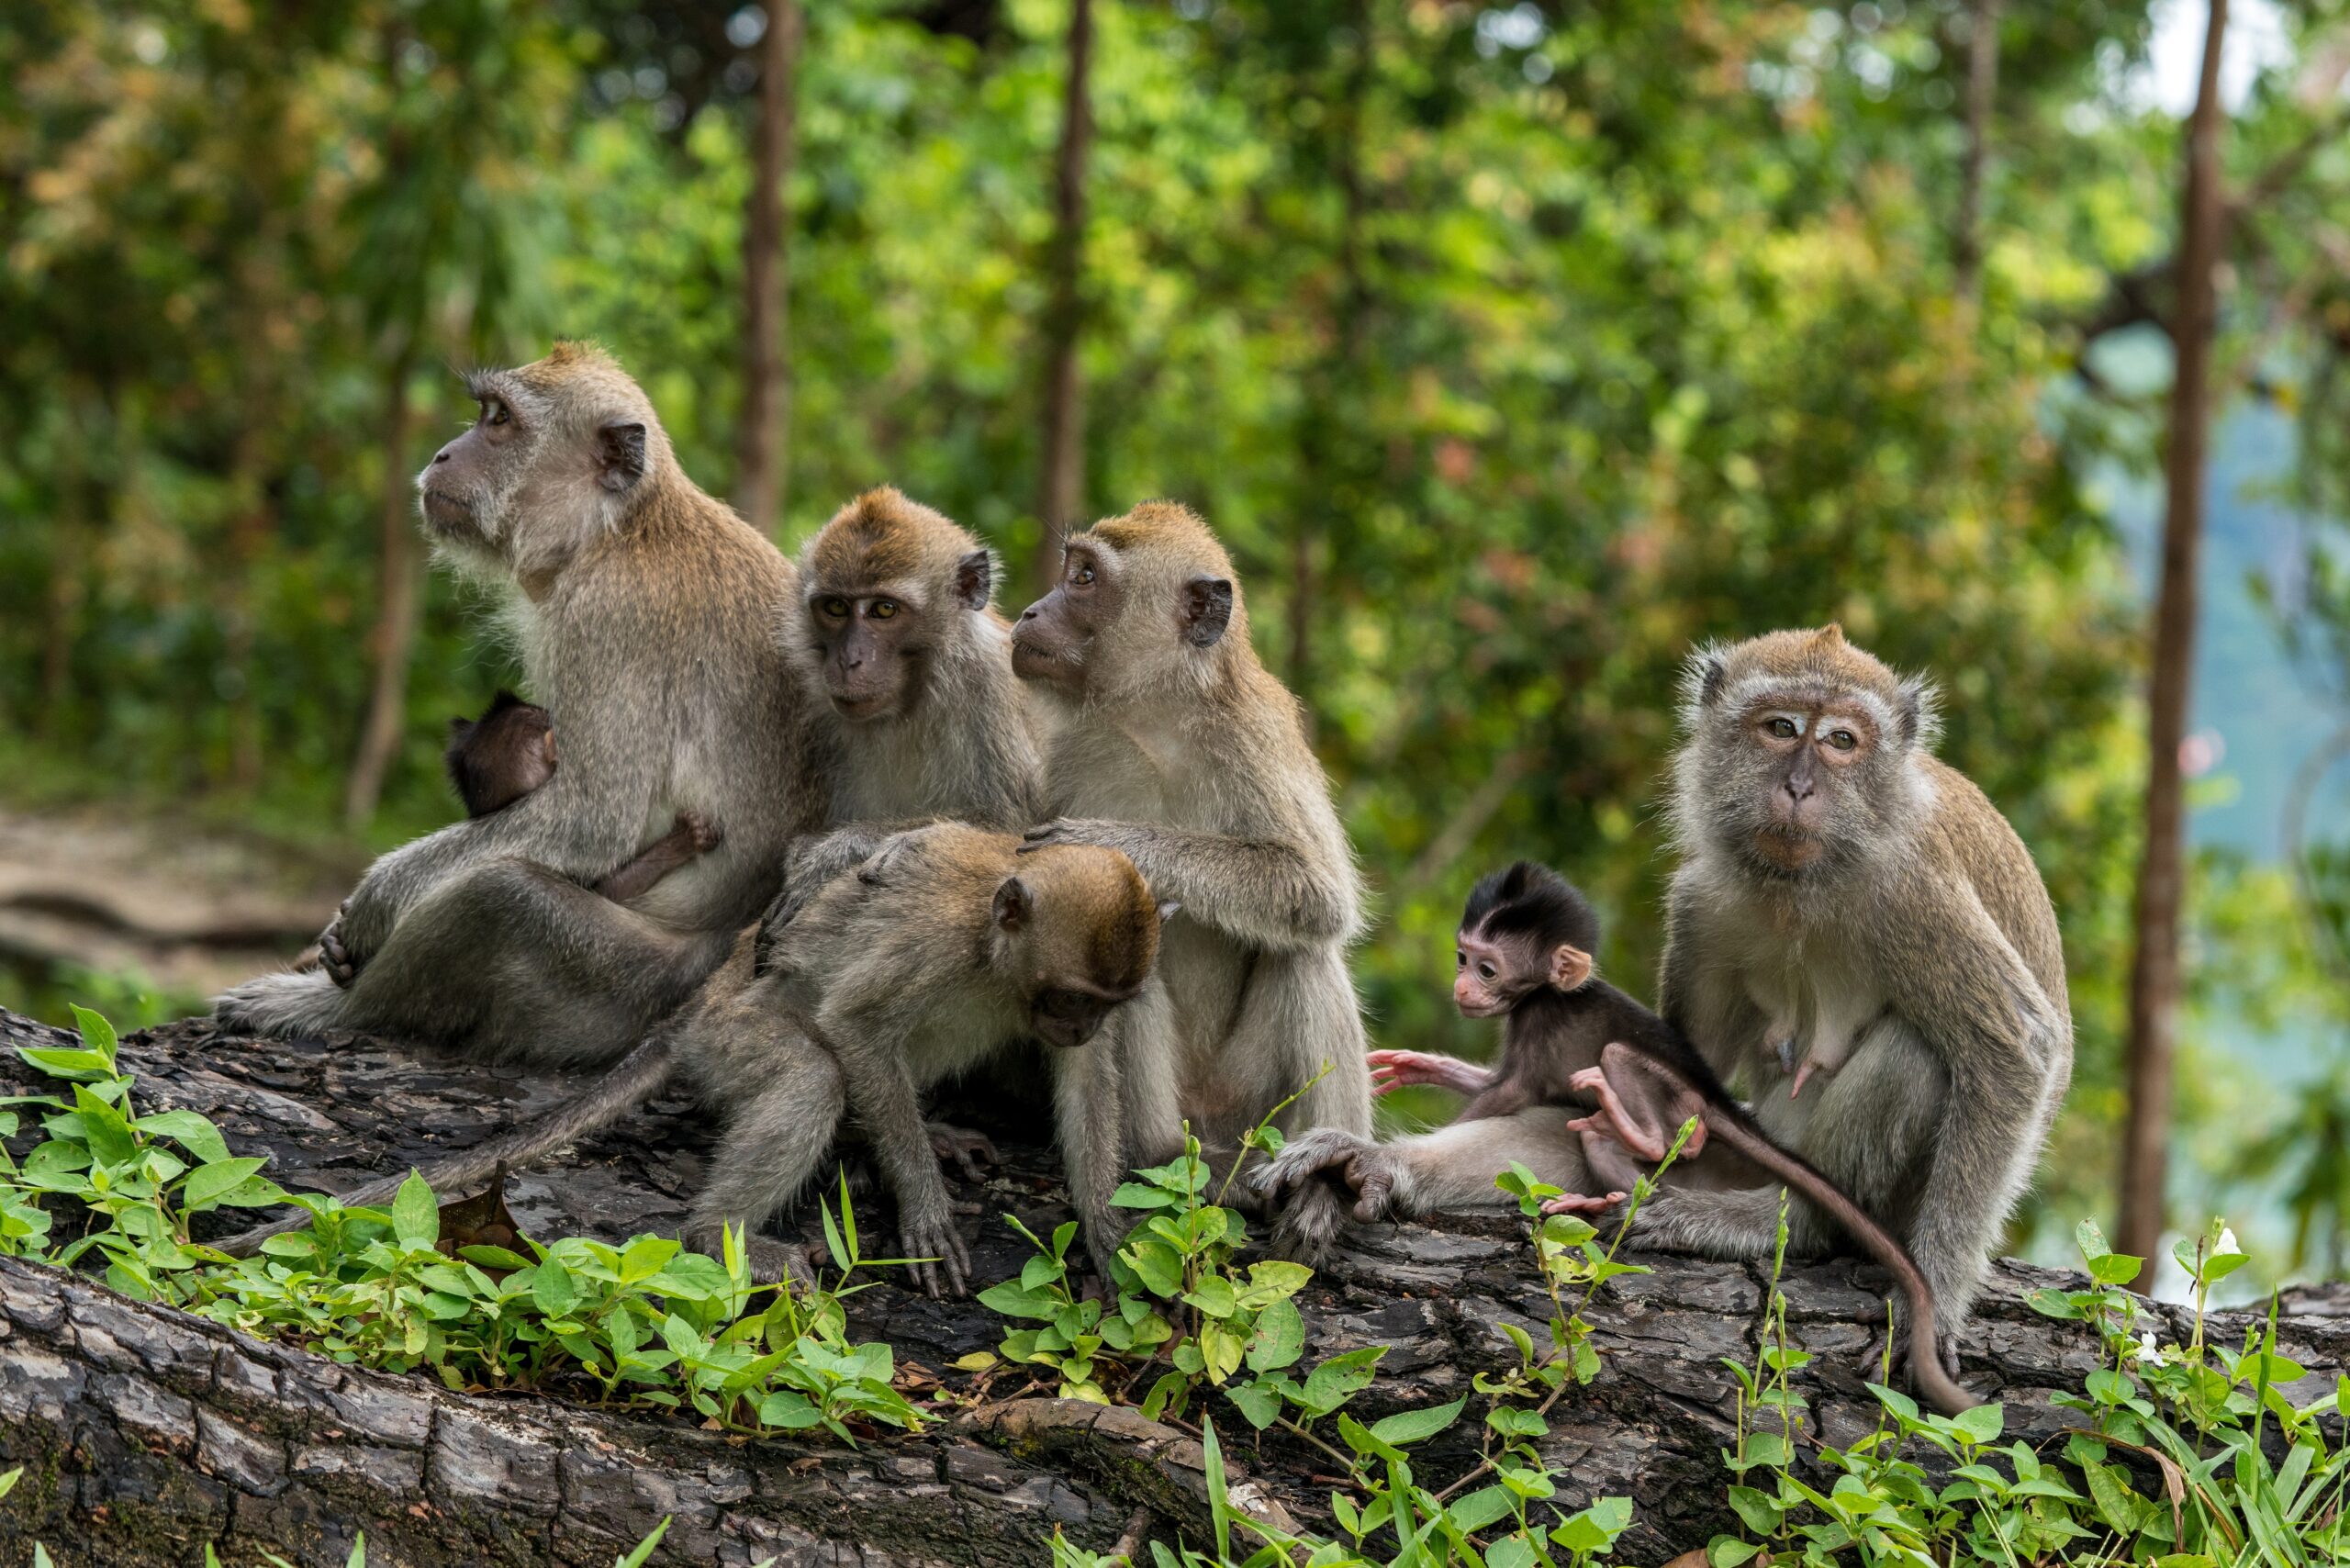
(1265, 893)
(2006, 1051)
(871, 1041)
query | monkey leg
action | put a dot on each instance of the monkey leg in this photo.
(779, 1134)
(1452, 1168)
(1298, 1031)
(506, 959)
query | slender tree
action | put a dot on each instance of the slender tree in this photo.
(763, 442)
(399, 597)
(1981, 88)
(2154, 973)
(1061, 481)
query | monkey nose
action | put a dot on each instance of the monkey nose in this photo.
(442, 455)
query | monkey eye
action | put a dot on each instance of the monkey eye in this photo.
(494, 412)
(834, 609)
(1459, 959)
(1081, 574)
(883, 609)
(1781, 726)
(1485, 971)
(1842, 739)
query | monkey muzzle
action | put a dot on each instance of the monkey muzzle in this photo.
(1069, 1018)
(449, 513)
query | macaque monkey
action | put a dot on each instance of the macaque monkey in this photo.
(1834, 870)
(496, 759)
(645, 613)
(947, 946)
(1179, 749)
(1524, 954)
(907, 668)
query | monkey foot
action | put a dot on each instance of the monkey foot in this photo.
(962, 1146)
(1613, 1119)
(1582, 1204)
(935, 1255)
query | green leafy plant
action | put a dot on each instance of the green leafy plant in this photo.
(642, 1324)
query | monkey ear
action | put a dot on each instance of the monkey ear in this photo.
(1921, 716)
(460, 728)
(1570, 966)
(1207, 611)
(546, 746)
(620, 455)
(975, 580)
(1014, 903)
(1169, 910)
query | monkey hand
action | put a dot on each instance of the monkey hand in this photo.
(939, 1260)
(1582, 1204)
(702, 835)
(964, 1147)
(334, 956)
(1367, 1171)
(1391, 1070)
(1074, 830)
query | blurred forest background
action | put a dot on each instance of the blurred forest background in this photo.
(1513, 349)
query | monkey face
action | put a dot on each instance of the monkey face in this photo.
(1807, 755)
(1493, 975)
(871, 642)
(1068, 1017)
(1053, 635)
(520, 459)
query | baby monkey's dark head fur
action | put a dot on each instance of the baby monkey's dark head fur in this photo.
(1525, 928)
(496, 759)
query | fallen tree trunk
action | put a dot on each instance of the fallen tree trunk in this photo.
(146, 1433)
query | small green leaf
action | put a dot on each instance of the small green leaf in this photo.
(637, 1558)
(206, 1184)
(416, 1214)
(1408, 1426)
(190, 1131)
(1260, 1402)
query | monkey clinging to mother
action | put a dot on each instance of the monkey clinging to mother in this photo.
(1861, 967)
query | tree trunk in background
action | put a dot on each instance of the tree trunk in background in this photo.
(251, 523)
(2154, 972)
(1327, 461)
(399, 593)
(1982, 86)
(762, 443)
(1061, 482)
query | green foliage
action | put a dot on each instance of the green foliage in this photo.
(647, 1324)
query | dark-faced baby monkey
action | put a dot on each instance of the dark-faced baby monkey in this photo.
(1524, 954)
(509, 751)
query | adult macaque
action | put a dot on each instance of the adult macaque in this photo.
(645, 613)
(1834, 870)
(1180, 750)
(509, 751)
(1524, 954)
(946, 947)
(908, 671)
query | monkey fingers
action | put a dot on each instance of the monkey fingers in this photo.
(1391, 1070)
(700, 832)
(1371, 1176)
(335, 959)
(940, 1260)
(964, 1147)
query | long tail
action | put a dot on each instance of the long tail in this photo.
(1732, 1125)
(636, 1079)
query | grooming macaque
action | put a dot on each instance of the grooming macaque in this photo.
(947, 946)
(1182, 751)
(915, 711)
(1524, 954)
(645, 613)
(1835, 874)
(496, 759)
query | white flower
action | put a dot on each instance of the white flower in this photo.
(2147, 1350)
(2227, 1243)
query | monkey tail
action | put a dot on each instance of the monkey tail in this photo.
(1731, 1124)
(636, 1079)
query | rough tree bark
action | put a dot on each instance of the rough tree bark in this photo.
(1982, 86)
(2154, 970)
(146, 1432)
(762, 443)
(1061, 478)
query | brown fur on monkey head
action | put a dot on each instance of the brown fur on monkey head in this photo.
(564, 449)
(1144, 601)
(1799, 749)
(880, 584)
(1079, 923)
